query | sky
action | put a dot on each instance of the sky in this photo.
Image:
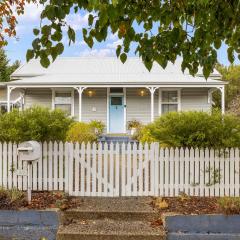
(17, 47)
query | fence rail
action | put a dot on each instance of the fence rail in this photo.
(124, 170)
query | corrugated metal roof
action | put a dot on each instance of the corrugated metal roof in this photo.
(105, 70)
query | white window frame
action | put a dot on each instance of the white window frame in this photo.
(178, 90)
(71, 91)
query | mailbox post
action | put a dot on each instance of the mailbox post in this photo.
(29, 152)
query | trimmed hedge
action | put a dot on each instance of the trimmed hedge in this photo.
(193, 129)
(36, 123)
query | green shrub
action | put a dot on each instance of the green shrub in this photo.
(37, 123)
(193, 129)
(81, 132)
(97, 126)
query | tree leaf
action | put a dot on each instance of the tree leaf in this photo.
(36, 31)
(45, 62)
(123, 57)
(29, 55)
(60, 48)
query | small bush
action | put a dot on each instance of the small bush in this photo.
(193, 129)
(37, 123)
(97, 126)
(230, 205)
(81, 132)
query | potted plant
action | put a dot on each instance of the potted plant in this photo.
(133, 125)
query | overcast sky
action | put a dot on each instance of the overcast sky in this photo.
(16, 49)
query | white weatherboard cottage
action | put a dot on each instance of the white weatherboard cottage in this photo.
(107, 90)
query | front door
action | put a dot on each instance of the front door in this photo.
(116, 114)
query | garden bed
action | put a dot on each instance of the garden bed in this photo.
(15, 200)
(40, 200)
(197, 205)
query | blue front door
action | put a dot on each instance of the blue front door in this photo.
(116, 114)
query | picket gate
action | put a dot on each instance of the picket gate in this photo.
(113, 170)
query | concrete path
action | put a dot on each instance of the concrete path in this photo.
(110, 219)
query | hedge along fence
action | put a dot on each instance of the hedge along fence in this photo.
(124, 170)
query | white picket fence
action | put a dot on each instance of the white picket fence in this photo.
(124, 170)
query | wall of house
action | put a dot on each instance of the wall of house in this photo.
(38, 96)
(195, 99)
(139, 107)
(93, 108)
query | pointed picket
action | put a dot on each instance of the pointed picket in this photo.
(88, 169)
(82, 167)
(94, 170)
(171, 172)
(76, 168)
(55, 165)
(105, 167)
(152, 165)
(146, 170)
(70, 168)
(237, 172)
(100, 169)
(222, 172)
(40, 170)
(187, 171)
(123, 170)
(45, 166)
(181, 170)
(232, 172)
(66, 167)
(5, 161)
(15, 166)
(50, 166)
(191, 172)
(162, 172)
(111, 169)
(140, 177)
(129, 170)
(9, 166)
(197, 173)
(134, 168)
(117, 162)
(176, 173)
(61, 166)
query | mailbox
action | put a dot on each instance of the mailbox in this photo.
(29, 151)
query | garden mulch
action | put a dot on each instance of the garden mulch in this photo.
(191, 205)
(40, 200)
(180, 205)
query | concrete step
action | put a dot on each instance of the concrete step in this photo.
(113, 208)
(109, 229)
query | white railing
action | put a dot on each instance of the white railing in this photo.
(124, 170)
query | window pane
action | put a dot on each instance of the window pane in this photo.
(63, 98)
(63, 94)
(116, 101)
(169, 96)
(169, 108)
(116, 90)
(64, 107)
